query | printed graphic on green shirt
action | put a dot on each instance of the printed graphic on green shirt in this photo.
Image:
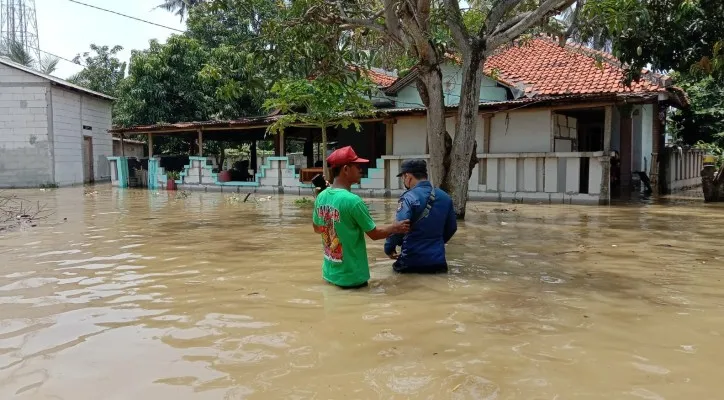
(332, 246)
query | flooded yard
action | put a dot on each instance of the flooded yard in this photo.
(142, 295)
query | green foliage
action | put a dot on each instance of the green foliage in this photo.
(704, 121)
(320, 102)
(173, 175)
(102, 72)
(669, 34)
(713, 149)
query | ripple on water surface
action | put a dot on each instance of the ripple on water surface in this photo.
(147, 295)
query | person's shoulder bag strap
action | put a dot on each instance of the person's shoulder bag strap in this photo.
(428, 206)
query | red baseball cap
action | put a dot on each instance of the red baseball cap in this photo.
(344, 156)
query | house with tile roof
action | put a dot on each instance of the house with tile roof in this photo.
(556, 125)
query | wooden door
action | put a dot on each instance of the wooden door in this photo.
(87, 159)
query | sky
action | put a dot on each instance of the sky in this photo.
(66, 28)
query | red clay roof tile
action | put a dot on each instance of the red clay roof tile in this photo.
(542, 65)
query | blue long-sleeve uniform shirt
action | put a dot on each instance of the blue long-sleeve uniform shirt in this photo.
(424, 245)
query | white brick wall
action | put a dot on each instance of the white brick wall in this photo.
(97, 114)
(34, 152)
(67, 137)
(24, 146)
(8, 74)
(70, 112)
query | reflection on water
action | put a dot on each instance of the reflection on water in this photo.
(149, 296)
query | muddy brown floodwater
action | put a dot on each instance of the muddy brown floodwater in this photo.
(143, 295)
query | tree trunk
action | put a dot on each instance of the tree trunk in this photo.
(464, 146)
(431, 93)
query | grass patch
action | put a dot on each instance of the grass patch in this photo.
(304, 202)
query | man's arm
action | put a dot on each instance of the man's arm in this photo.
(404, 212)
(362, 216)
(382, 232)
(451, 224)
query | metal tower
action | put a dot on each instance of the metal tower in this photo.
(18, 23)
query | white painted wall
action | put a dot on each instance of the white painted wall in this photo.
(480, 128)
(24, 145)
(71, 111)
(521, 131)
(451, 78)
(409, 136)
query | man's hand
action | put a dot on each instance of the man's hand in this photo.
(393, 255)
(401, 227)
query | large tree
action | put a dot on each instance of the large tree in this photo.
(102, 70)
(428, 30)
(686, 36)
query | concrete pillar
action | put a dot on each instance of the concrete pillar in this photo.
(604, 187)
(511, 174)
(486, 133)
(594, 175)
(282, 146)
(573, 175)
(607, 128)
(394, 181)
(492, 174)
(530, 174)
(150, 145)
(200, 142)
(389, 136)
(551, 175)
(253, 161)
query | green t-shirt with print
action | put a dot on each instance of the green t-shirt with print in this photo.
(345, 219)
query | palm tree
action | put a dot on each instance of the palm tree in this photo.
(17, 53)
(48, 64)
(180, 7)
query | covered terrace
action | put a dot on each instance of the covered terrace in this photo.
(297, 152)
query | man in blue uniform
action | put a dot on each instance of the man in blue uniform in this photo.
(432, 223)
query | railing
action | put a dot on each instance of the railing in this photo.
(684, 168)
(558, 172)
(574, 177)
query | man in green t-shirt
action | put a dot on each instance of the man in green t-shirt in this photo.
(342, 218)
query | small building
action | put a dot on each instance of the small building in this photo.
(52, 132)
(555, 125)
(128, 148)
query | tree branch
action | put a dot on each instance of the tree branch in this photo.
(454, 20)
(574, 21)
(500, 8)
(504, 36)
(511, 22)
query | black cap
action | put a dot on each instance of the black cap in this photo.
(416, 166)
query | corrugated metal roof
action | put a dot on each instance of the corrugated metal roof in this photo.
(263, 121)
(57, 81)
